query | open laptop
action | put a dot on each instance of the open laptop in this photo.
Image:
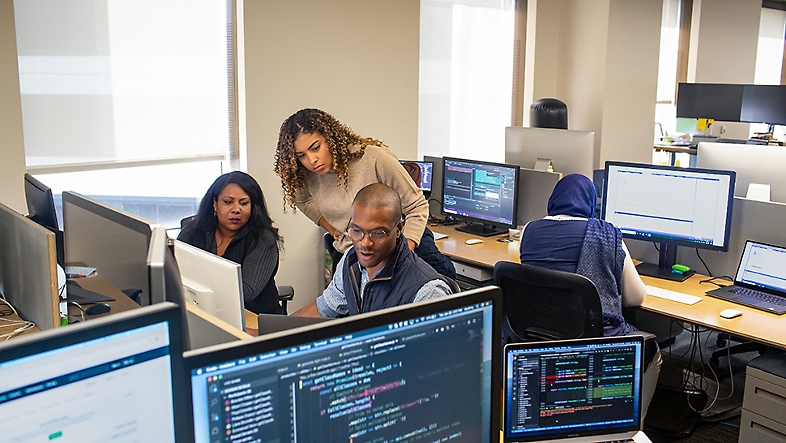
(761, 279)
(270, 323)
(586, 390)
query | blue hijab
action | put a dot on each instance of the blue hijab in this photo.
(573, 195)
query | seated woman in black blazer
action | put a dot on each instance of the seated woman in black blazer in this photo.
(233, 222)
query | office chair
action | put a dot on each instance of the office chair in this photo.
(285, 292)
(745, 346)
(548, 113)
(544, 304)
(452, 283)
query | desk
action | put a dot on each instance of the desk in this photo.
(754, 324)
(674, 150)
(98, 284)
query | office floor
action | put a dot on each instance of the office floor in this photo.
(724, 426)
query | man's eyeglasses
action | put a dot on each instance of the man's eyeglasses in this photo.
(376, 235)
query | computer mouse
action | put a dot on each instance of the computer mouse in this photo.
(473, 241)
(98, 308)
(730, 313)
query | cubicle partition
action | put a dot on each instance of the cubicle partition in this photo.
(28, 268)
(753, 164)
(751, 220)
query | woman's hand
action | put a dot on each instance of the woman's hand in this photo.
(337, 235)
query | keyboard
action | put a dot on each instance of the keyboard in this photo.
(762, 296)
(679, 297)
(439, 235)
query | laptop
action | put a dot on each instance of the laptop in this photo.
(586, 390)
(761, 279)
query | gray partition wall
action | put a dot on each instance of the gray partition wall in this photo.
(753, 163)
(435, 207)
(534, 191)
(28, 268)
(751, 220)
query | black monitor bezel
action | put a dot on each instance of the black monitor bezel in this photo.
(306, 334)
(38, 205)
(420, 163)
(514, 218)
(677, 242)
(97, 328)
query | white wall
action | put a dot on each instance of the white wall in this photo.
(355, 59)
(600, 57)
(12, 166)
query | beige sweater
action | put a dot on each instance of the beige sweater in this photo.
(323, 198)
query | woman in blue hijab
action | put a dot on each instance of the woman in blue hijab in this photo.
(570, 240)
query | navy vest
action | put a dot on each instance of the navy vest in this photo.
(396, 284)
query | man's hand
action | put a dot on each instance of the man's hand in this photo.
(310, 310)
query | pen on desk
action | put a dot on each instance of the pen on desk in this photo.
(75, 275)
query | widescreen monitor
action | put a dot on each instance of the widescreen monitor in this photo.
(426, 172)
(109, 239)
(753, 164)
(482, 193)
(669, 205)
(764, 104)
(118, 378)
(569, 151)
(710, 100)
(212, 283)
(427, 371)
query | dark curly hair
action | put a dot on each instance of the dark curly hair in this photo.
(205, 219)
(339, 138)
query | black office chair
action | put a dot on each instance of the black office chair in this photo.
(739, 348)
(452, 283)
(544, 304)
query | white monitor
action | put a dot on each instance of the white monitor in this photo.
(212, 283)
(570, 152)
(753, 163)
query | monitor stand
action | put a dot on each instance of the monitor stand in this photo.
(482, 230)
(666, 259)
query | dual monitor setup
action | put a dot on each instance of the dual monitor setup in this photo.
(118, 245)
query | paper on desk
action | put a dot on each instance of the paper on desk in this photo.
(80, 270)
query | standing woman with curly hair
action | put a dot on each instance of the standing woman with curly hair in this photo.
(322, 164)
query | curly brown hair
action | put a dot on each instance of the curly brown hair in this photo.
(339, 138)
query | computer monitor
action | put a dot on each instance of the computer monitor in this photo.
(212, 283)
(569, 151)
(109, 239)
(482, 193)
(28, 269)
(426, 172)
(764, 104)
(672, 206)
(40, 203)
(41, 209)
(428, 371)
(119, 377)
(164, 277)
(752, 163)
(710, 100)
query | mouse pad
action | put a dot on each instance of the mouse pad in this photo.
(79, 294)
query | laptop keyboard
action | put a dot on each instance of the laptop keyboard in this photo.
(762, 296)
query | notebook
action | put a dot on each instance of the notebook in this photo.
(761, 279)
(586, 390)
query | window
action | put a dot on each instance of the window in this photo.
(665, 108)
(466, 71)
(127, 98)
